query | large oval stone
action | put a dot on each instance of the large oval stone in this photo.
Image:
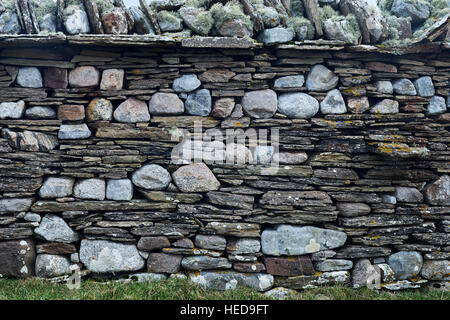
(298, 105)
(54, 228)
(195, 178)
(199, 103)
(151, 177)
(132, 110)
(260, 104)
(405, 264)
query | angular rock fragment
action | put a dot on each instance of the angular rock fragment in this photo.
(195, 178)
(74, 131)
(320, 78)
(56, 187)
(54, 228)
(132, 110)
(17, 257)
(50, 266)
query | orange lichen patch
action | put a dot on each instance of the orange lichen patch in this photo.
(238, 124)
(136, 71)
(389, 148)
(318, 274)
(347, 182)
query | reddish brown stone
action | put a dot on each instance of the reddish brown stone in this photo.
(112, 79)
(381, 67)
(234, 28)
(291, 266)
(413, 108)
(152, 243)
(70, 112)
(55, 78)
(249, 267)
(216, 75)
(56, 248)
(17, 258)
(405, 31)
(162, 262)
(115, 22)
(84, 77)
(444, 117)
(223, 107)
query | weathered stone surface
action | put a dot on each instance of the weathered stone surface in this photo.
(71, 112)
(76, 20)
(32, 217)
(30, 140)
(230, 280)
(381, 67)
(169, 22)
(119, 189)
(436, 106)
(193, 19)
(184, 243)
(12, 110)
(115, 22)
(333, 103)
(85, 76)
(199, 103)
(295, 198)
(152, 243)
(333, 265)
(260, 103)
(280, 293)
(340, 30)
(50, 266)
(54, 228)
(90, 189)
(15, 205)
(406, 265)
(243, 246)
(234, 28)
(17, 257)
(320, 78)
(352, 209)
(358, 105)
(386, 106)
(298, 105)
(55, 78)
(195, 178)
(74, 131)
(166, 104)
(151, 177)
(424, 86)
(9, 23)
(112, 79)
(56, 187)
(241, 230)
(249, 267)
(132, 110)
(186, 83)
(438, 192)
(210, 242)
(223, 108)
(99, 109)
(205, 263)
(405, 194)
(314, 281)
(216, 75)
(40, 113)
(289, 82)
(292, 240)
(405, 87)
(231, 200)
(164, 263)
(416, 10)
(142, 24)
(275, 36)
(364, 273)
(436, 270)
(291, 266)
(56, 248)
(48, 23)
(384, 86)
(101, 256)
(29, 77)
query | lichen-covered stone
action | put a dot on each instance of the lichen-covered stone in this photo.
(93, 189)
(438, 192)
(406, 265)
(99, 109)
(205, 263)
(50, 266)
(275, 36)
(17, 257)
(230, 280)
(385, 106)
(54, 228)
(115, 21)
(436, 270)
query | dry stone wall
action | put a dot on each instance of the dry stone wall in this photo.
(360, 192)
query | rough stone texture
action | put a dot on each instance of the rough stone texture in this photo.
(364, 274)
(298, 105)
(9, 23)
(56, 187)
(339, 30)
(54, 228)
(112, 79)
(424, 86)
(385, 106)
(405, 87)
(93, 189)
(216, 280)
(36, 113)
(30, 141)
(384, 86)
(12, 110)
(280, 293)
(417, 11)
(352, 209)
(15, 205)
(405, 194)
(115, 22)
(438, 192)
(17, 257)
(333, 265)
(243, 246)
(289, 267)
(275, 36)
(199, 103)
(223, 108)
(166, 104)
(99, 109)
(55, 78)
(320, 78)
(164, 263)
(292, 240)
(333, 103)
(76, 20)
(205, 263)
(260, 104)
(152, 243)
(358, 105)
(437, 105)
(151, 177)
(74, 131)
(29, 77)
(210, 242)
(85, 76)
(186, 83)
(289, 82)
(436, 270)
(192, 19)
(101, 256)
(195, 178)
(50, 266)
(142, 24)
(406, 265)
(71, 112)
(119, 189)
(132, 110)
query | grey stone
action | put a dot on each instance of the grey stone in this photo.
(54, 228)
(333, 103)
(405, 194)
(320, 78)
(205, 263)
(29, 77)
(73, 131)
(91, 189)
(340, 30)
(437, 105)
(230, 280)
(384, 86)
(48, 23)
(9, 23)
(30, 140)
(76, 20)
(404, 285)
(211, 242)
(186, 83)
(244, 246)
(293, 240)
(151, 177)
(166, 104)
(12, 110)
(119, 189)
(17, 258)
(280, 293)
(57, 187)
(50, 266)
(322, 255)
(36, 113)
(364, 273)
(142, 24)
(389, 199)
(193, 18)
(32, 217)
(199, 103)
(163, 263)
(234, 28)
(260, 103)
(195, 178)
(438, 192)
(436, 270)
(101, 256)
(405, 264)
(298, 105)
(15, 205)
(132, 110)
(169, 22)
(333, 265)
(289, 82)
(405, 87)
(263, 154)
(223, 107)
(416, 10)
(385, 106)
(275, 36)
(424, 86)
(352, 209)
(270, 16)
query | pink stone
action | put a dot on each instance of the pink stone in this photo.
(71, 112)
(358, 105)
(223, 107)
(112, 79)
(115, 22)
(85, 76)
